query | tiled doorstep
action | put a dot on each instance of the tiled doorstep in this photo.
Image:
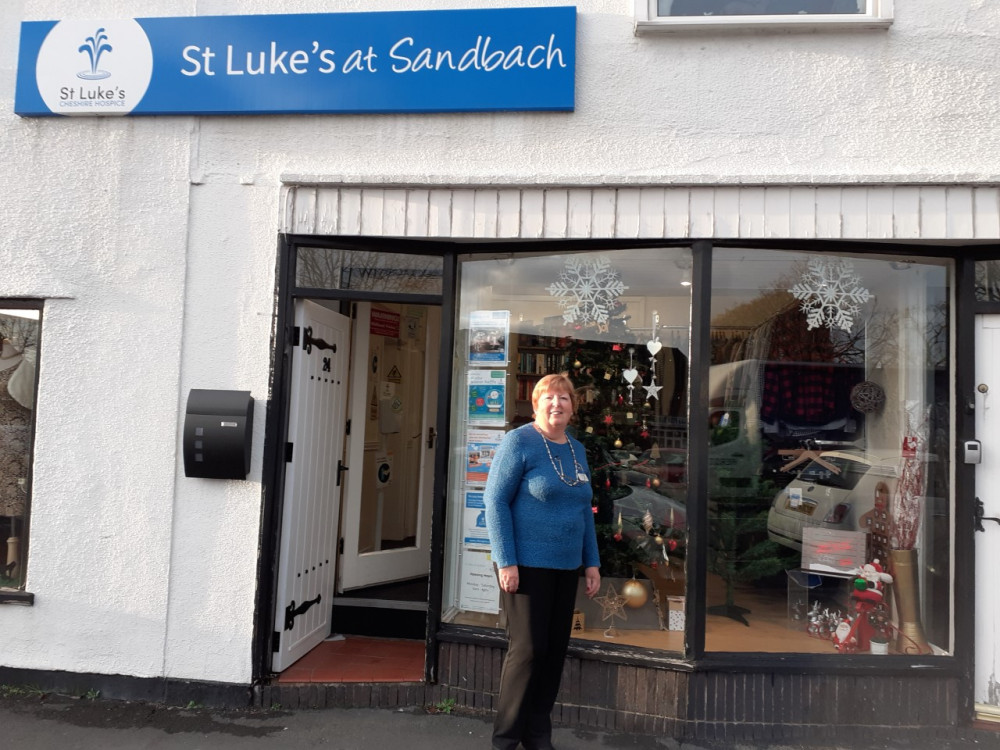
(359, 659)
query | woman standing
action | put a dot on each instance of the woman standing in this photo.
(541, 529)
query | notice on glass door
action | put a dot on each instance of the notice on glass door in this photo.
(479, 590)
(474, 519)
(487, 389)
(480, 445)
(489, 331)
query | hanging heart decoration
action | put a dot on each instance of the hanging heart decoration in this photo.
(654, 346)
(629, 375)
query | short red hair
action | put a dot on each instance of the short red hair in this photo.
(557, 383)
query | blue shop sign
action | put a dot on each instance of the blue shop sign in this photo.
(396, 61)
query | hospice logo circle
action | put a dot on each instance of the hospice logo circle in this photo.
(94, 67)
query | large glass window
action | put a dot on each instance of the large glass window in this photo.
(829, 494)
(18, 358)
(618, 323)
(828, 488)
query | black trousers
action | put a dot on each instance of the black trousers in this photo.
(539, 619)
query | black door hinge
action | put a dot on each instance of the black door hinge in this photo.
(291, 611)
(347, 430)
(296, 335)
(275, 641)
(288, 452)
(340, 546)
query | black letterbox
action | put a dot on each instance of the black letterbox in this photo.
(218, 431)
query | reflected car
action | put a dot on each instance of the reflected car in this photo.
(667, 467)
(624, 458)
(836, 490)
(632, 506)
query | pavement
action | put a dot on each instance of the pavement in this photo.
(48, 721)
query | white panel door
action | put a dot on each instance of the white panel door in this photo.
(987, 685)
(390, 451)
(311, 505)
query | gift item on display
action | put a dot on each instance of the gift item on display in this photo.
(879, 645)
(868, 617)
(906, 592)
(612, 606)
(675, 613)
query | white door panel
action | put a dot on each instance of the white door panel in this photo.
(987, 680)
(311, 499)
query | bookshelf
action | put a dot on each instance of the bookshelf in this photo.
(534, 357)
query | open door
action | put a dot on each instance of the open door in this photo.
(311, 501)
(390, 453)
(987, 678)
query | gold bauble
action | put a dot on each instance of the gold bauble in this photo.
(656, 482)
(658, 539)
(635, 594)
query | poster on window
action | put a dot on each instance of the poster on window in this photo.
(486, 397)
(479, 591)
(488, 334)
(474, 521)
(480, 445)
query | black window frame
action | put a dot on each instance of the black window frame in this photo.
(694, 658)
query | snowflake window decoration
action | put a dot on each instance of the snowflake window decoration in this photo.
(586, 290)
(831, 294)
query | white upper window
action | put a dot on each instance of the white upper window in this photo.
(677, 15)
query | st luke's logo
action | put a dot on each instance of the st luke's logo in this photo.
(117, 65)
(95, 46)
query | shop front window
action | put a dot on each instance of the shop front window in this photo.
(18, 357)
(617, 322)
(829, 503)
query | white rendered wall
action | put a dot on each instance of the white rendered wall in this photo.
(135, 569)
(153, 240)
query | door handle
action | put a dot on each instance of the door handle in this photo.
(981, 516)
(431, 434)
(340, 470)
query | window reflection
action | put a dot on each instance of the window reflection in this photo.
(988, 281)
(757, 7)
(368, 271)
(18, 356)
(837, 369)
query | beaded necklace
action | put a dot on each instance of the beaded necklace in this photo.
(581, 475)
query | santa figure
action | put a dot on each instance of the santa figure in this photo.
(869, 582)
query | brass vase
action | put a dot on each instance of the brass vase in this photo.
(906, 593)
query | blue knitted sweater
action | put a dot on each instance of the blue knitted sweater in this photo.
(533, 518)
